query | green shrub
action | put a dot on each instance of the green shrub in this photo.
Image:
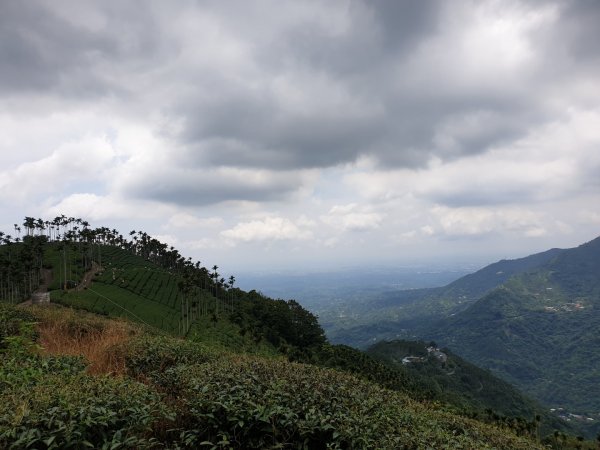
(148, 355)
(243, 402)
(26, 371)
(13, 323)
(80, 412)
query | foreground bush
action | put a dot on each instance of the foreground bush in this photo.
(243, 402)
(178, 394)
(79, 412)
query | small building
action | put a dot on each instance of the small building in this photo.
(38, 298)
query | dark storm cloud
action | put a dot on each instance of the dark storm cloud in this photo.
(397, 121)
(294, 85)
(355, 62)
(198, 188)
(580, 26)
(404, 23)
(42, 51)
(255, 133)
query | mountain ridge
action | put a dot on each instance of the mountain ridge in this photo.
(408, 313)
(539, 331)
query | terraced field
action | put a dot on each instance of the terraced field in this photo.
(129, 286)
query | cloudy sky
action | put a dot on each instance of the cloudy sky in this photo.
(269, 134)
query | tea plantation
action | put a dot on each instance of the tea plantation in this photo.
(164, 392)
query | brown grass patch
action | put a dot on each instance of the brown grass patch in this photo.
(64, 331)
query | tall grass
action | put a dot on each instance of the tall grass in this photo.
(63, 331)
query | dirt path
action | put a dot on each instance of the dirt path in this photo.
(88, 277)
(41, 294)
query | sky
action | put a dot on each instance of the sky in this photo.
(269, 135)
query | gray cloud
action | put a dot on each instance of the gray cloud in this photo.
(580, 31)
(361, 94)
(404, 23)
(71, 49)
(295, 85)
(199, 188)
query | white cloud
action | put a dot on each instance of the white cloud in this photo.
(352, 218)
(416, 125)
(268, 229)
(105, 207)
(83, 161)
(187, 220)
(474, 221)
(168, 239)
(589, 217)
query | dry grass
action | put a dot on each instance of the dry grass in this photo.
(64, 331)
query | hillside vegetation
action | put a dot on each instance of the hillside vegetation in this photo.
(408, 314)
(539, 331)
(457, 381)
(171, 393)
(533, 321)
(200, 362)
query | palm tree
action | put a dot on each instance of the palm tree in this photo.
(231, 283)
(29, 225)
(215, 277)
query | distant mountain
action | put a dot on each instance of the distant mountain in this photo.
(408, 313)
(540, 331)
(474, 286)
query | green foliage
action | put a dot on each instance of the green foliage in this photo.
(131, 287)
(243, 402)
(14, 323)
(468, 388)
(195, 395)
(282, 323)
(364, 366)
(388, 315)
(224, 332)
(141, 290)
(539, 331)
(203, 393)
(79, 412)
(151, 355)
(47, 401)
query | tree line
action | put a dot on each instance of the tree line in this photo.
(202, 291)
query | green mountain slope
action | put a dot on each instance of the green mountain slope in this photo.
(132, 287)
(407, 314)
(540, 332)
(229, 332)
(457, 381)
(180, 394)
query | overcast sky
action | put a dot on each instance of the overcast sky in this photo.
(270, 134)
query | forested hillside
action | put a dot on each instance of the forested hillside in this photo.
(408, 313)
(457, 381)
(539, 331)
(201, 362)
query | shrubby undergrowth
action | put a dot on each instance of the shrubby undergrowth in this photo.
(180, 394)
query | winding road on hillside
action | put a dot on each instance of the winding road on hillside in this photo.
(88, 277)
(42, 295)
